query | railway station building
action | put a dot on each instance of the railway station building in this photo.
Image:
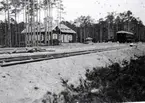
(47, 35)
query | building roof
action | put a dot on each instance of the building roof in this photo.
(124, 32)
(36, 28)
(66, 29)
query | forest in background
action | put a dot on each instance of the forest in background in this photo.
(101, 31)
(105, 29)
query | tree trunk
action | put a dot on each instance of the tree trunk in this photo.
(15, 27)
(108, 31)
(26, 36)
(33, 25)
(5, 39)
(84, 34)
(48, 25)
(29, 31)
(45, 24)
(100, 33)
(81, 35)
(19, 36)
(39, 23)
(9, 28)
(51, 25)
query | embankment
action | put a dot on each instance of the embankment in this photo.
(28, 82)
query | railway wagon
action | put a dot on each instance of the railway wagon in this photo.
(124, 36)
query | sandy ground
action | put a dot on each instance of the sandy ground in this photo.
(28, 82)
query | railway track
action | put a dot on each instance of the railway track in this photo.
(36, 58)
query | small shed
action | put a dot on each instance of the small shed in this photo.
(88, 40)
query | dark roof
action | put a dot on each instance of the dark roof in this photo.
(62, 27)
(124, 32)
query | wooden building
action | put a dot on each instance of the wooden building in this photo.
(40, 35)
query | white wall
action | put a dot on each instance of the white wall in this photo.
(64, 37)
(34, 37)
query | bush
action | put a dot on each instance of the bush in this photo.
(110, 84)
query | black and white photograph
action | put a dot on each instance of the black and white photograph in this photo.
(72, 51)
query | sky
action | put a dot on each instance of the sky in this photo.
(99, 8)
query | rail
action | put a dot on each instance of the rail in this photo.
(41, 57)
